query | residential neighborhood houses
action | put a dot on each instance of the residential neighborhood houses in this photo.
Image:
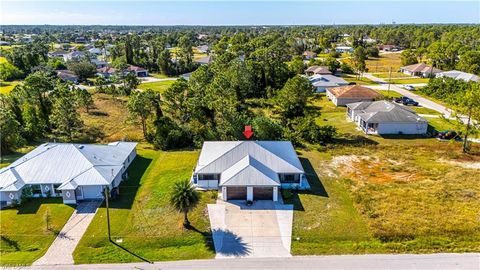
(421, 70)
(342, 96)
(321, 82)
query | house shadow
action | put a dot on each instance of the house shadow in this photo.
(316, 187)
(129, 187)
(32, 205)
(131, 252)
(403, 136)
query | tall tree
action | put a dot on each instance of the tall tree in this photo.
(66, 120)
(10, 137)
(184, 198)
(469, 105)
(141, 105)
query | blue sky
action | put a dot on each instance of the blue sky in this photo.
(237, 12)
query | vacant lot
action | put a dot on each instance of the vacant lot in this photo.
(28, 230)
(399, 196)
(410, 80)
(160, 86)
(142, 218)
(109, 120)
(386, 75)
(383, 63)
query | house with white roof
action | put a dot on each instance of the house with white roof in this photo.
(321, 82)
(458, 75)
(249, 170)
(420, 69)
(384, 117)
(72, 171)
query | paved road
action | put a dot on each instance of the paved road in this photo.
(466, 261)
(424, 102)
(61, 250)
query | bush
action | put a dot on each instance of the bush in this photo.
(169, 135)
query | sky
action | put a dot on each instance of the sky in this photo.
(237, 12)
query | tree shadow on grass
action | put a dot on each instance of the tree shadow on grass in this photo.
(128, 188)
(224, 242)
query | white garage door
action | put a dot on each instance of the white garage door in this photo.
(92, 192)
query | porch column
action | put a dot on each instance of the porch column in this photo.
(275, 194)
(249, 193)
(224, 193)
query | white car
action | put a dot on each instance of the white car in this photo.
(409, 87)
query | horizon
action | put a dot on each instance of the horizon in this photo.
(237, 13)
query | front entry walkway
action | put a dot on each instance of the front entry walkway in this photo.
(61, 250)
(261, 230)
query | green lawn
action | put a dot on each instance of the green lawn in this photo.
(25, 235)
(409, 80)
(386, 75)
(423, 110)
(361, 81)
(159, 76)
(7, 87)
(441, 124)
(389, 94)
(2, 58)
(160, 86)
(143, 218)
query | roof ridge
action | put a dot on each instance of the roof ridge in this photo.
(277, 155)
(229, 150)
(23, 160)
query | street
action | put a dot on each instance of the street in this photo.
(450, 261)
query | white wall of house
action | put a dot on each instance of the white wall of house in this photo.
(208, 184)
(404, 128)
(249, 193)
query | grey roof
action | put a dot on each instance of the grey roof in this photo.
(384, 111)
(459, 75)
(237, 160)
(249, 172)
(323, 80)
(67, 164)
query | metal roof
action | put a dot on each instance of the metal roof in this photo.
(60, 163)
(279, 156)
(325, 80)
(249, 172)
(459, 75)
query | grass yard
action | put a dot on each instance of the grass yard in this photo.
(143, 218)
(410, 80)
(7, 87)
(2, 58)
(160, 86)
(423, 110)
(361, 81)
(159, 75)
(380, 195)
(389, 94)
(99, 124)
(383, 63)
(395, 74)
(25, 232)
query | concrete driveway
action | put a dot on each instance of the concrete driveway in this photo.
(261, 230)
(61, 250)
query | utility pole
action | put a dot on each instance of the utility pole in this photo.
(389, 81)
(108, 213)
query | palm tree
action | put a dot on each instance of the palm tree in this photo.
(184, 198)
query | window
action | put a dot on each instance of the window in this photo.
(55, 189)
(207, 177)
(36, 189)
(289, 178)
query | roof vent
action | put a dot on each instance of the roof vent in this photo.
(81, 147)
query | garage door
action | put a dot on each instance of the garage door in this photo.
(236, 193)
(92, 192)
(263, 193)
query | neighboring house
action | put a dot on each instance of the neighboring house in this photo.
(420, 69)
(59, 54)
(67, 75)
(4, 43)
(249, 170)
(322, 82)
(96, 51)
(75, 55)
(341, 96)
(72, 171)
(203, 48)
(458, 75)
(344, 49)
(139, 71)
(321, 70)
(204, 60)
(80, 40)
(98, 63)
(309, 55)
(388, 48)
(186, 76)
(383, 117)
(106, 71)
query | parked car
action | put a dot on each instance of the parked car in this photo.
(447, 135)
(406, 101)
(409, 87)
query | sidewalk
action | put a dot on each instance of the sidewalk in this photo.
(61, 250)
